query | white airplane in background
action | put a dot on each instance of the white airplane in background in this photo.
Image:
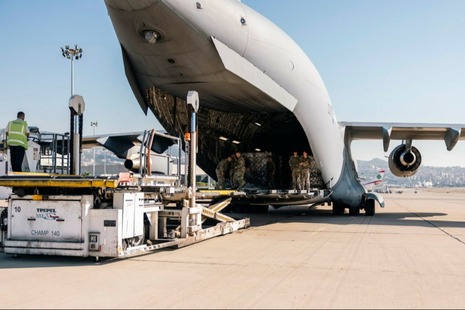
(257, 88)
(372, 184)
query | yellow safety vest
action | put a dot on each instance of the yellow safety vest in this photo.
(17, 133)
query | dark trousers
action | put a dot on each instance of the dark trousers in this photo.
(17, 156)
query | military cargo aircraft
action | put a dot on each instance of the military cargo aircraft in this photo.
(258, 91)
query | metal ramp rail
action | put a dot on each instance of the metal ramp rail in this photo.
(54, 152)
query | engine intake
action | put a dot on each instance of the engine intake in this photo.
(132, 164)
(404, 162)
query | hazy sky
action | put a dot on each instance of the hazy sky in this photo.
(381, 60)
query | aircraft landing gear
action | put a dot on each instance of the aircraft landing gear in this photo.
(370, 207)
(338, 209)
(354, 211)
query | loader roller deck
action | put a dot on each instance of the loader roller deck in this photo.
(243, 198)
(28, 180)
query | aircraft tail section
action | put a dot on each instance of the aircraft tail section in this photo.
(378, 180)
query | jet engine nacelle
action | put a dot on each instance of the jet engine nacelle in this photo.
(132, 164)
(404, 161)
(159, 163)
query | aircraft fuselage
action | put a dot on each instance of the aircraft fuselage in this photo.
(246, 71)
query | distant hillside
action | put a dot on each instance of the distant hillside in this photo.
(426, 175)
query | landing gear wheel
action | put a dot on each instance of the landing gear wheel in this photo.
(370, 207)
(354, 211)
(338, 209)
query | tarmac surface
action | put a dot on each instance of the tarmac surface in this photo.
(411, 254)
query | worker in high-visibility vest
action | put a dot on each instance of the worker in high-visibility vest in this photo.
(17, 133)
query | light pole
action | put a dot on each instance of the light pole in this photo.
(76, 106)
(72, 53)
(93, 124)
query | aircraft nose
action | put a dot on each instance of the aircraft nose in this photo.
(130, 5)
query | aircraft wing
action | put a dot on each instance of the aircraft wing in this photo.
(450, 133)
(119, 144)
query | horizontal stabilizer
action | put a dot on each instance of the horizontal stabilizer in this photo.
(450, 133)
(119, 144)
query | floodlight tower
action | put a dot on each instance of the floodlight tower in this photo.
(76, 106)
(72, 53)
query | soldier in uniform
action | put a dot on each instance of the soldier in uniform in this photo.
(294, 162)
(221, 172)
(239, 171)
(232, 164)
(305, 164)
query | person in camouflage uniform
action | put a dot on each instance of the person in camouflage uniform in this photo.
(232, 163)
(294, 163)
(221, 171)
(239, 171)
(305, 164)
